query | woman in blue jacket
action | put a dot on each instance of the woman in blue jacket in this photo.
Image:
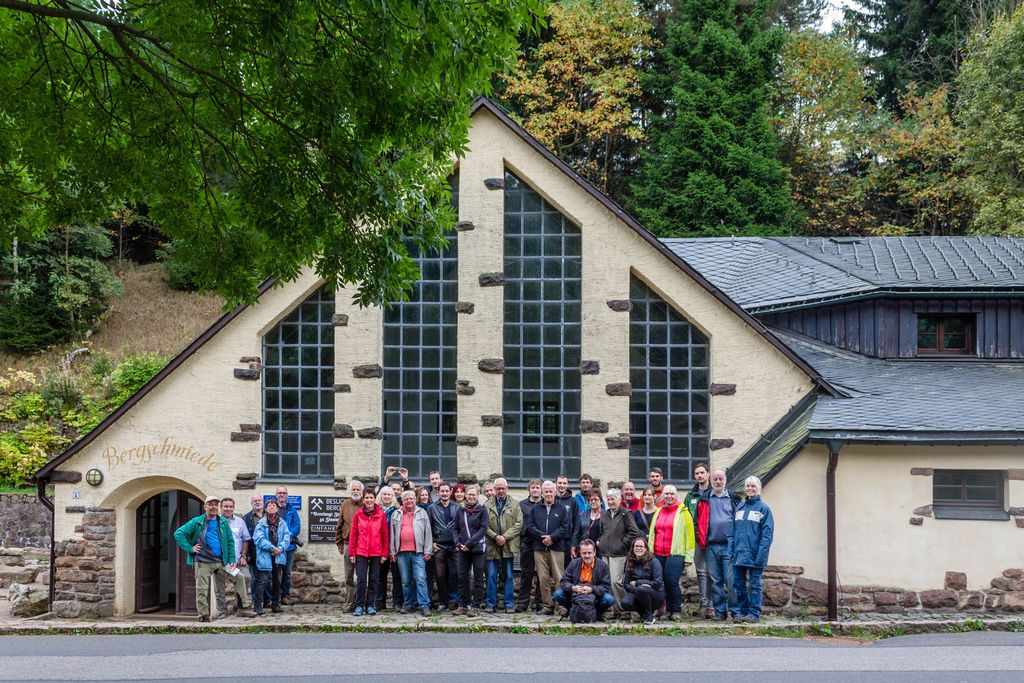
(271, 538)
(753, 529)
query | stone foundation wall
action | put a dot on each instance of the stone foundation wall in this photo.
(786, 590)
(26, 522)
(85, 567)
(312, 583)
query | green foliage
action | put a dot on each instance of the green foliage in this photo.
(131, 373)
(910, 41)
(712, 166)
(180, 270)
(25, 450)
(59, 287)
(265, 135)
(19, 407)
(990, 110)
(61, 392)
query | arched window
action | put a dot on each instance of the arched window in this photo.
(541, 398)
(668, 368)
(298, 391)
(420, 340)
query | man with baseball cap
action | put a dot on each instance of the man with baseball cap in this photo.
(209, 546)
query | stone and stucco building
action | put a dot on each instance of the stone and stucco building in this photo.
(553, 335)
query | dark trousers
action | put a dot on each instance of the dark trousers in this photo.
(528, 582)
(644, 600)
(446, 571)
(431, 588)
(267, 587)
(367, 580)
(286, 575)
(389, 569)
(471, 560)
(672, 567)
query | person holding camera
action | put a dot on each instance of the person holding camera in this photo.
(402, 475)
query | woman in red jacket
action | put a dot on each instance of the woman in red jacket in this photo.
(368, 549)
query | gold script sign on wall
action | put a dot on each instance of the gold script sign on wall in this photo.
(168, 450)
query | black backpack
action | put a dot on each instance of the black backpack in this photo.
(584, 609)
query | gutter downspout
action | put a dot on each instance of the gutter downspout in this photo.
(830, 514)
(48, 504)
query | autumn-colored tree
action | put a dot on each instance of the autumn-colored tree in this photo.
(578, 91)
(825, 124)
(915, 184)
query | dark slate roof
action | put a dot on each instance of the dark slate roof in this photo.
(935, 401)
(762, 273)
(777, 447)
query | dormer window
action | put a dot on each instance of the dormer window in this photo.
(945, 335)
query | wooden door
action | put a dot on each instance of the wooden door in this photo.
(147, 556)
(185, 601)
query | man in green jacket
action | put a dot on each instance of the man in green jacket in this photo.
(504, 528)
(209, 546)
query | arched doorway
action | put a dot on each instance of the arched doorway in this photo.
(163, 580)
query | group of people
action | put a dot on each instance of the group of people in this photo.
(444, 547)
(253, 552)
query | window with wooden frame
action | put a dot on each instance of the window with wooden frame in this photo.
(945, 335)
(969, 494)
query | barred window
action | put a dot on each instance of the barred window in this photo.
(298, 391)
(668, 369)
(541, 398)
(420, 338)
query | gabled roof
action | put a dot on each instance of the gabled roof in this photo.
(775, 273)
(931, 401)
(700, 278)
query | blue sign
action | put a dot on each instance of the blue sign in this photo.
(294, 502)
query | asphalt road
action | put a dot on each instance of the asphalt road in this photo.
(307, 658)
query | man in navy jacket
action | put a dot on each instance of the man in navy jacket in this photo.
(550, 527)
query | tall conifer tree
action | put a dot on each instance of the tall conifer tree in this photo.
(712, 167)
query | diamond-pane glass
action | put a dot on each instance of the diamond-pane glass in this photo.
(668, 369)
(541, 398)
(420, 339)
(298, 391)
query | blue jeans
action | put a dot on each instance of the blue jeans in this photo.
(672, 567)
(493, 567)
(565, 600)
(413, 568)
(747, 582)
(719, 564)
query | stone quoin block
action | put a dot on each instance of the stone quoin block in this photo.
(464, 226)
(466, 307)
(368, 371)
(250, 427)
(464, 440)
(494, 366)
(343, 388)
(247, 476)
(617, 443)
(246, 373)
(619, 389)
(620, 305)
(343, 431)
(916, 521)
(245, 436)
(590, 367)
(370, 433)
(955, 581)
(722, 389)
(921, 471)
(464, 388)
(492, 279)
(494, 183)
(492, 420)
(719, 444)
(339, 320)
(250, 359)
(593, 427)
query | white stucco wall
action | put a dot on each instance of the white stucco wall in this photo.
(875, 498)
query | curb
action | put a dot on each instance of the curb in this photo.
(860, 629)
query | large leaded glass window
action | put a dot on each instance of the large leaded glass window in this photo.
(298, 391)
(541, 400)
(419, 366)
(668, 368)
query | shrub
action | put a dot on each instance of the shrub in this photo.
(179, 271)
(60, 392)
(23, 452)
(131, 373)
